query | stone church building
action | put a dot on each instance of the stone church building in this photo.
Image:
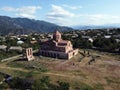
(58, 48)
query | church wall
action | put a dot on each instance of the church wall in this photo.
(54, 54)
(75, 52)
(70, 55)
(58, 48)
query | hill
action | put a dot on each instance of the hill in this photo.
(10, 25)
(84, 27)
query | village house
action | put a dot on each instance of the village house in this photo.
(3, 47)
(88, 38)
(50, 36)
(107, 36)
(33, 41)
(15, 48)
(58, 48)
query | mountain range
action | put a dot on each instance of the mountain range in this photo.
(10, 25)
(18, 26)
(85, 27)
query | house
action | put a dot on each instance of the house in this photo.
(117, 40)
(20, 42)
(85, 37)
(33, 41)
(117, 36)
(15, 48)
(107, 36)
(3, 47)
(88, 38)
(50, 36)
(58, 48)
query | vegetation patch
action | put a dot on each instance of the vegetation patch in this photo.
(79, 73)
(98, 86)
(43, 83)
(20, 73)
(81, 86)
(112, 80)
(4, 55)
(31, 65)
(1, 77)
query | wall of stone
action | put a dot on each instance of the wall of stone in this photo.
(54, 54)
(75, 52)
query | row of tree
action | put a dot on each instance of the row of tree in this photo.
(106, 44)
(40, 84)
(100, 43)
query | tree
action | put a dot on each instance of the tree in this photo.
(63, 85)
(17, 83)
(41, 84)
(4, 86)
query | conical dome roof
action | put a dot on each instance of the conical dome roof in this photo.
(57, 33)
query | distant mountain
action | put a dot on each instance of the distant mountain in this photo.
(10, 25)
(84, 27)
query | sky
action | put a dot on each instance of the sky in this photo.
(64, 12)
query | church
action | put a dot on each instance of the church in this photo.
(58, 48)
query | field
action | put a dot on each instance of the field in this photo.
(96, 70)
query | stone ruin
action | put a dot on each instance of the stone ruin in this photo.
(29, 54)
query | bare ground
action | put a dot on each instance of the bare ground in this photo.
(105, 70)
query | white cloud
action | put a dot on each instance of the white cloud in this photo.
(8, 9)
(104, 18)
(26, 15)
(72, 7)
(58, 20)
(58, 11)
(25, 11)
(59, 14)
(99, 19)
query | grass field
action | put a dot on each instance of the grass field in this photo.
(101, 74)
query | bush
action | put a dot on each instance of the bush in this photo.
(63, 85)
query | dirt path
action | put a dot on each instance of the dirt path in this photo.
(63, 63)
(10, 68)
(64, 75)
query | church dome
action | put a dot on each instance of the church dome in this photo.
(57, 36)
(57, 33)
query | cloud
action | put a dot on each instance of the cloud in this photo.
(72, 7)
(8, 9)
(25, 11)
(99, 19)
(58, 11)
(26, 15)
(96, 17)
(59, 14)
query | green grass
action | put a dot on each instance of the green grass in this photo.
(79, 73)
(98, 86)
(4, 55)
(31, 65)
(19, 73)
(81, 86)
(112, 80)
(1, 77)
(30, 74)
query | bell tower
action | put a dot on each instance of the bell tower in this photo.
(57, 36)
